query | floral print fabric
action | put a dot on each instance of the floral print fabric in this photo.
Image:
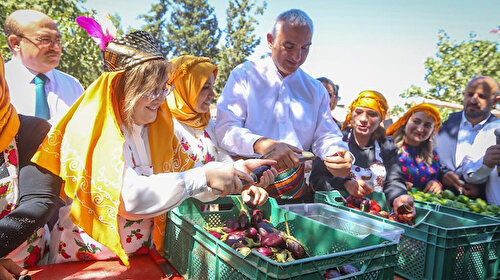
(414, 168)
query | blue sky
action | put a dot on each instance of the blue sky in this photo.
(360, 45)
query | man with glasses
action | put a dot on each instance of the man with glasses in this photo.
(37, 88)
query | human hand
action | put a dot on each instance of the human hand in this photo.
(470, 190)
(409, 185)
(254, 196)
(339, 164)
(433, 186)
(357, 188)
(284, 154)
(9, 269)
(492, 156)
(451, 178)
(225, 179)
(400, 200)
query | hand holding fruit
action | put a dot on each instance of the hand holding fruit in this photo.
(339, 164)
(254, 196)
(400, 201)
(450, 178)
(492, 156)
(285, 155)
(433, 186)
(357, 188)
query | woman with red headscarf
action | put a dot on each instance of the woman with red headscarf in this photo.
(376, 167)
(413, 135)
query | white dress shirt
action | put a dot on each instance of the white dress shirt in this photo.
(475, 171)
(62, 90)
(258, 102)
(146, 195)
(466, 135)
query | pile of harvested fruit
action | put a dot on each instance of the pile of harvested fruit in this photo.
(371, 206)
(462, 202)
(341, 271)
(256, 233)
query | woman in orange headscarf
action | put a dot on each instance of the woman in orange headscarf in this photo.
(376, 167)
(413, 134)
(28, 193)
(193, 79)
(120, 161)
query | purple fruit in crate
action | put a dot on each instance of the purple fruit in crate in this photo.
(365, 205)
(231, 242)
(239, 244)
(214, 233)
(273, 239)
(257, 172)
(243, 220)
(265, 228)
(257, 216)
(236, 235)
(332, 273)
(231, 225)
(348, 269)
(295, 248)
(251, 232)
(265, 251)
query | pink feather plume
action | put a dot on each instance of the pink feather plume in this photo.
(94, 29)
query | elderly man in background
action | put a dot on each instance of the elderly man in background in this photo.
(271, 107)
(458, 133)
(37, 88)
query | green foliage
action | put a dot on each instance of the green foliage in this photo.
(156, 23)
(81, 57)
(191, 27)
(240, 38)
(455, 64)
(184, 27)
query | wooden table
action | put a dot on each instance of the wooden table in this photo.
(141, 267)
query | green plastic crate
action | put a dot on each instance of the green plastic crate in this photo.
(440, 245)
(198, 255)
(451, 210)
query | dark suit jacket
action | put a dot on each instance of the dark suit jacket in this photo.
(447, 139)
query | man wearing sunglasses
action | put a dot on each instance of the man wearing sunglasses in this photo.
(37, 88)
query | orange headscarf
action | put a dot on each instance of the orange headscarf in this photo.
(368, 99)
(424, 107)
(90, 160)
(189, 74)
(9, 120)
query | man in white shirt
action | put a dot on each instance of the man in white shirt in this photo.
(271, 107)
(481, 165)
(36, 87)
(458, 133)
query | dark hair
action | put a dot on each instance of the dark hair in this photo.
(327, 81)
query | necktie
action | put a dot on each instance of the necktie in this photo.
(41, 105)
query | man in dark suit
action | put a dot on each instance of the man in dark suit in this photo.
(458, 133)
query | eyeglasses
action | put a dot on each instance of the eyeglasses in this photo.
(43, 41)
(161, 93)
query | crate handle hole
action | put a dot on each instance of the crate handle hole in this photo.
(216, 207)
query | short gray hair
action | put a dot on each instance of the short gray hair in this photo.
(294, 17)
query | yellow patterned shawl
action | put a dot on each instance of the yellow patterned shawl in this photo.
(86, 150)
(9, 120)
(189, 74)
